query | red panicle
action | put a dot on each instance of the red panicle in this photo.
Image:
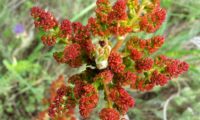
(54, 86)
(129, 65)
(129, 78)
(66, 29)
(60, 105)
(77, 62)
(71, 52)
(156, 43)
(152, 22)
(135, 54)
(94, 27)
(88, 101)
(58, 56)
(143, 86)
(176, 67)
(106, 76)
(81, 32)
(159, 78)
(109, 114)
(48, 40)
(102, 10)
(122, 99)
(119, 11)
(43, 19)
(116, 62)
(144, 64)
(89, 47)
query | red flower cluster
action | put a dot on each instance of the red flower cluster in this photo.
(135, 54)
(116, 62)
(141, 47)
(122, 99)
(48, 40)
(106, 76)
(109, 114)
(78, 85)
(159, 78)
(81, 44)
(71, 52)
(143, 85)
(55, 85)
(71, 55)
(128, 64)
(43, 19)
(88, 100)
(102, 10)
(57, 90)
(46, 21)
(66, 29)
(127, 78)
(152, 22)
(119, 11)
(144, 64)
(175, 67)
(168, 69)
(63, 103)
(155, 43)
(110, 19)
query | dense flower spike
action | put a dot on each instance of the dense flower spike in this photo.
(144, 64)
(103, 8)
(122, 99)
(106, 76)
(71, 52)
(63, 103)
(48, 40)
(88, 100)
(158, 78)
(135, 54)
(127, 78)
(109, 114)
(66, 28)
(155, 43)
(55, 85)
(144, 85)
(112, 57)
(175, 67)
(152, 22)
(115, 62)
(44, 19)
(119, 11)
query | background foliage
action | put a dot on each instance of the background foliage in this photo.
(27, 68)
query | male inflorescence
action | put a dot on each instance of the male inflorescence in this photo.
(118, 57)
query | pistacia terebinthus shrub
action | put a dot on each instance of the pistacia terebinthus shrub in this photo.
(118, 57)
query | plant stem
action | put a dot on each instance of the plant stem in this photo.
(140, 10)
(107, 95)
(119, 43)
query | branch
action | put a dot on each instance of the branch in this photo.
(107, 95)
(168, 101)
(119, 43)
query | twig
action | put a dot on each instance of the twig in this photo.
(107, 95)
(168, 101)
(119, 43)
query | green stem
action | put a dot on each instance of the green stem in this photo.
(107, 95)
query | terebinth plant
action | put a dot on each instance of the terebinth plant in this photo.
(115, 53)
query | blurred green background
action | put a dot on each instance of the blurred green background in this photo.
(27, 67)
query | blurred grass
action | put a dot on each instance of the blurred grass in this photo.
(26, 70)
